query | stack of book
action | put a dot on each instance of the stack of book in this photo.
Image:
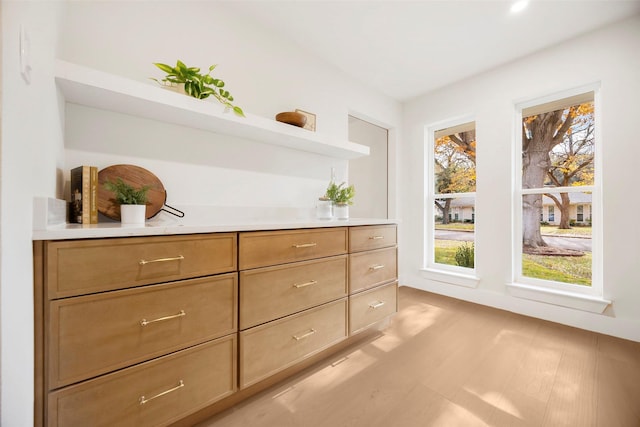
(83, 208)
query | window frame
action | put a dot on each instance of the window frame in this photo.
(587, 298)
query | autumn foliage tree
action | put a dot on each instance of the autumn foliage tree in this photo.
(572, 160)
(455, 157)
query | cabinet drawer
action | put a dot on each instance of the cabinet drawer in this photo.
(369, 307)
(94, 334)
(368, 269)
(269, 348)
(273, 292)
(89, 266)
(261, 249)
(370, 237)
(155, 393)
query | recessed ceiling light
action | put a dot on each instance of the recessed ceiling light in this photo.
(519, 6)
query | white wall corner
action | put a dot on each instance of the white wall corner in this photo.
(48, 212)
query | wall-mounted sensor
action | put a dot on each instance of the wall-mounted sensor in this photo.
(25, 55)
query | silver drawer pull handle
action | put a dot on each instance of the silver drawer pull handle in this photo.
(145, 322)
(376, 237)
(302, 285)
(375, 305)
(305, 245)
(305, 335)
(144, 400)
(376, 267)
(175, 258)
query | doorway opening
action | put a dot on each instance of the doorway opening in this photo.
(370, 174)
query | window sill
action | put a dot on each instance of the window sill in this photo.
(451, 277)
(582, 302)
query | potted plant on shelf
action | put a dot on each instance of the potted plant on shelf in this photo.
(341, 197)
(132, 201)
(197, 84)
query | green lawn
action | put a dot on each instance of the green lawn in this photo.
(445, 251)
(544, 229)
(566, 269)
(575, 231)
(560, 269)
(455, 226)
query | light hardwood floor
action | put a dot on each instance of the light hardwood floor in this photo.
(445, 362)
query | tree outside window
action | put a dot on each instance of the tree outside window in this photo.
(558, 148)
(453, 195)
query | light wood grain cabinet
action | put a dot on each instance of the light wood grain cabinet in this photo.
(147, 331)
(274, 346)
(373, 275)
(269, 293)
(78, 267)
(368, 237)
(95, 334)
(154, 393)
(136, 331)
(369, 307)
(293, 297)
(262, 249)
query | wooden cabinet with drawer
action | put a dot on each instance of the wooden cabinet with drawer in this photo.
(372, 268)
(369, 307)
(80, 267)
(154, 393)
(94, 334)
(269, 293)
(368, 237)
(293, 289)
(150, 331)
(110, 311)
(274, 346)
(373, 275)
(262, 249)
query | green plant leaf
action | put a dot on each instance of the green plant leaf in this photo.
(188, 87)
(238, 111)
(181, 67)
(164, 67)
(211, 68)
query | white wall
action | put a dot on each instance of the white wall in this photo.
(31, 149)
(265, 74)
(609, 56)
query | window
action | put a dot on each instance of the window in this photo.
(557, 169)
(451, 186)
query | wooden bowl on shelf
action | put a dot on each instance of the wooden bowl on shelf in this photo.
(292, 118)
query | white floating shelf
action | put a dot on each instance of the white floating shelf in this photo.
(93, 88)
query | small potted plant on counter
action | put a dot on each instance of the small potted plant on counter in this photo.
(342, 196)
(132, 201)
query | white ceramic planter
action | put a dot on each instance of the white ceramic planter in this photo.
(133, 214)
(341, 211)
(324, 209)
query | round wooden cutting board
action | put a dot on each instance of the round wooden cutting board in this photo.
(135, 176)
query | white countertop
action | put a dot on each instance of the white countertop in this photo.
(50, 215)
(158, 228)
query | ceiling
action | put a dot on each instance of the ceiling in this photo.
(407, 48)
